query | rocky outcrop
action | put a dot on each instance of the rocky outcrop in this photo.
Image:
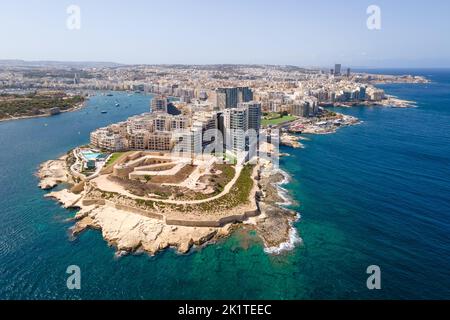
(290, 141)
(66, 198)
(53, 172)
(275, 224)
(132, 232)
(130, 228)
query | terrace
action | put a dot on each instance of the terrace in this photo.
(88, 163)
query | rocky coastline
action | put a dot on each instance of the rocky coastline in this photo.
(130, 229)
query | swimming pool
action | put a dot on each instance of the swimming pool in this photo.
(89, 155)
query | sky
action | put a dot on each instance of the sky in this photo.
(413, 33)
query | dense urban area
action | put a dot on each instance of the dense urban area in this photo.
(203, 158)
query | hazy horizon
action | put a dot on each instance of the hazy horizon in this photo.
(209, 64)
(287, 32)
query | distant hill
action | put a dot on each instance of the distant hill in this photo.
(59, 64)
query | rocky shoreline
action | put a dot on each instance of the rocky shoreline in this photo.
(275, 224)
(389, 102)
(132, 230)
(53, 172)
(317, 125)
(290, 141)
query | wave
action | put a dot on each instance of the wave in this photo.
(289, 245)
(282, 192)
(294, 237)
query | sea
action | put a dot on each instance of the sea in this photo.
(374, 194)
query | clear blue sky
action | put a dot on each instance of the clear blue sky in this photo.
(413, 33)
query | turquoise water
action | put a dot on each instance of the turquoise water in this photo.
(376, 193)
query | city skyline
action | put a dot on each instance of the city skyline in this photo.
(250, 32)
(215, 153)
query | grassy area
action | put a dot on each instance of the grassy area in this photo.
(241, 189)
(225, 177)
(273, 121)
(217, 181)
(272, 115)
(229, 157)
(237, 196)
(114, 157)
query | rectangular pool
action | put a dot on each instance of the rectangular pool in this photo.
(89, 155)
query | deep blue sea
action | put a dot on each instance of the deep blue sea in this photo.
(373, 194)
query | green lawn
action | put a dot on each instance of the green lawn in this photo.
(228, 157)
(115, 156)
(276, 121)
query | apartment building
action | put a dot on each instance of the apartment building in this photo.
(159, 104)
(236, 125)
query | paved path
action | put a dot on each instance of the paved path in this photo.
(104, 184)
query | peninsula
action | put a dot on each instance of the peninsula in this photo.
(32, 104)
(190, 171)
(149, 201)
(148, 183)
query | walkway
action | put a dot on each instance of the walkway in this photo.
(104, 184)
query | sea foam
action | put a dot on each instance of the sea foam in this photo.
(294, 237)
(289, 245)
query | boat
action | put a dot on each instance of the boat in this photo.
(104, 111)
(109, 95)
(117, 104)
